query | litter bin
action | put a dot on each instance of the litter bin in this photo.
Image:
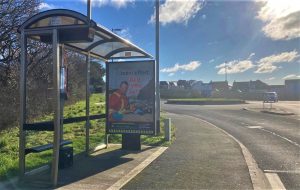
(65, 157)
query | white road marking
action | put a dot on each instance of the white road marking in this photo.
(121, 182)
(274, 181)
(283, 171)
(254, 127)
(273, 133)
(290, 141)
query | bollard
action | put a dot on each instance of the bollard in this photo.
(167, 126)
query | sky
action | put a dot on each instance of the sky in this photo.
(202, 39)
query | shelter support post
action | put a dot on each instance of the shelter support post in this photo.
(87, 105)
(62, 98)
(22, 105)
(56, 98)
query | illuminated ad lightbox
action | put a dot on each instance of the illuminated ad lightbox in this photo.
(130, 97)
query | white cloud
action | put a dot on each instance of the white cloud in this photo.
(114, 3)
(271, 78)
(281, 18)
(266, 68)
(177, 11)
(187, 67)
(124, 33)
(211, 61)
(266, 64)
(235, 66)
(291, 76)
(121, 3)
(45, 6)
(171, 74)
(250, 56)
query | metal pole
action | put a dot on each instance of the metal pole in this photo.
(89, 10)
(87, 105)
(157, 67)
(225, 71)
(61, 55)
(167, 126)
(56, 86)
(22, 137)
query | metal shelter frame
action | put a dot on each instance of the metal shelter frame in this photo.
(72, 30)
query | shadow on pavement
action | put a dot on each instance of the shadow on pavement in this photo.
(83, 167)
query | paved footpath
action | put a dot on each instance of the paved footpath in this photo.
(201, 157)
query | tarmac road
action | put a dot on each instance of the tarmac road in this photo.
(273, 140)
(201, 157)
(289, 106)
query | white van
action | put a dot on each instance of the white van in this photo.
(270, 97)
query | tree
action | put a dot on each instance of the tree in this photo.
(97, 72)
(12, 14)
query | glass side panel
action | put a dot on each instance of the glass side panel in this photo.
(56, 21)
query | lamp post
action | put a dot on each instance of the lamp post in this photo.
(157, 65)
(226, 71)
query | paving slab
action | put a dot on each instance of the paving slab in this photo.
(100, 170)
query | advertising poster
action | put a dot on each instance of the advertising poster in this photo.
(131, 98)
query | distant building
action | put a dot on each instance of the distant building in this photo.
(164, 85)
(250, 86)
(279, 89)
(172, 84)
(183, 84)
(258, 86)
(219, 86)
(240, 86)
(197, 85)
(205, 89)
(292, 89)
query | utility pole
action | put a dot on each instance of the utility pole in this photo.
(157, 66)
(89, 10)
(225, 70)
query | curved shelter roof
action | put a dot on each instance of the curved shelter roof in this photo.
(76, 31)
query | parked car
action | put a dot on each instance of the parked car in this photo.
(270, 97)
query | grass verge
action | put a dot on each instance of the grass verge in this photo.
(9, 138)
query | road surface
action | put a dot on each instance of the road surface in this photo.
(273, 140)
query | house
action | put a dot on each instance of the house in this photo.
(197, 85)
(250, 86)
(164, 85)
(219, 86)
(205, 89)
(172, 84)
(258, 86)
(240, 86)
(183, 84)
(292, 89)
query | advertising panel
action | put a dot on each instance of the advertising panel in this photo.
(130, 96)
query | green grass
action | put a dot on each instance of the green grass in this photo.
(205, 99)
(9, 147)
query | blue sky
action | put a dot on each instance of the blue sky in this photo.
(256, 39)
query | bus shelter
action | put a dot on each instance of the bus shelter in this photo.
(72, 30)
